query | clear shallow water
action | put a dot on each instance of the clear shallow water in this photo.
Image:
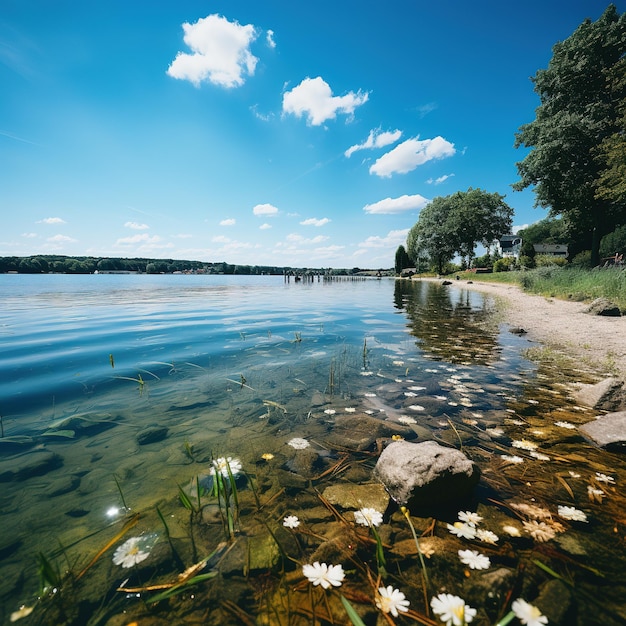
(238, 366)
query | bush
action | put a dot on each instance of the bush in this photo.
(527, 261)
(547, 260)
(582, 259)
(503, 265)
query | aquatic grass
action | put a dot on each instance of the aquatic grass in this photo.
(420, 554)
(119, 488)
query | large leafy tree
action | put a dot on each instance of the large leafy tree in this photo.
(579, 109)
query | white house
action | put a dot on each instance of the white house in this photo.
(509, 246)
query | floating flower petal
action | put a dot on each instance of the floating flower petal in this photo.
(368, 517)
(462, 530)
(470, 517)
(603, 478)
(324, 575)
(474, 560)
(486, 536)
(452, 610)
(222, 464)
(134, 550)
(405, 419)
(391, 600)
(539, 530)
(571, 513)
(298, 443)
(291, 521)
(527, 613)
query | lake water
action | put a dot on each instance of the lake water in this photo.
(118, 392)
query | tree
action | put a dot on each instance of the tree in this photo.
(402, 259)
(577, 113)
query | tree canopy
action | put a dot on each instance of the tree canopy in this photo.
(451, 225)
(578, 134)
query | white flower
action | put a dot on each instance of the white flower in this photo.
(416, 407)
(298, 443)
(391, 600)
(569, 512)
(512, 458)
(452, 610)
(461, 529)
(568, 425)
(486, 536)
(417, 388)
(513, 531)
(130, 553)
(527, 613)
(524, 444)
(350, 409)
(368, 517)
(470, 517)
(410, 394)
(291, 521)
(325, 575)
(574, 474)
(222, 464)
(603, 478)
(330, 411)
(494, 432)
(370, 395)
(405, 419)
(474, 559)
(539, 530)
(539, 455)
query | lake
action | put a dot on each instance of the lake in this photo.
(158, 430)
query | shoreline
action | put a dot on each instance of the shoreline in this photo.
(598, 342)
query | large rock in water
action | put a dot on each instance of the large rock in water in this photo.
(608, 431)
(607, 395)
(425, 474)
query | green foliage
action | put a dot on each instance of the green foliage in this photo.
(547, 260)
(402, 259)
(614, 242)
(527, 261)
(503, 265)
(580, 109)
(582, 259)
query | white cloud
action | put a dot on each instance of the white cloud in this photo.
(389, 206)
(265, 226)
(51, 220)
(295, 238)
(264, 117)
(516, 229)
(220, 52)
(29, 235)
(314, 98)
(410, 154)
(313, 221)
(60, 239)
(269, 37)
(135, 239)
(375, 139)
(228, 222)
(438, 181)
(136, 226)
(184, 236)
(393, 239)
(265, 209)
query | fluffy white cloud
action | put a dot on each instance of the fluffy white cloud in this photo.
(389, 206)
(51, 220)
(136, 226)
(313, 221)
(375, 139)
(269, 37)
(295, 238)
(393, 239)
(228, 222)
(314, 98)
(265, 226)
(220, 52)
(138, 239)
(410, 154)
(438, 181)
(60, 239)
(221, 239)
(29, 235)
(265, 209)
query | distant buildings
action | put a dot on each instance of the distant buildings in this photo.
(551, 249)
(509, 246)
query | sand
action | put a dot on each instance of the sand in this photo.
(598, 342)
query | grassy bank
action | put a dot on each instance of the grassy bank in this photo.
(568, 283)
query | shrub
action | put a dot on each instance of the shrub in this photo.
(582, 259)
(527, 261)
(503, 265)
(547, 260)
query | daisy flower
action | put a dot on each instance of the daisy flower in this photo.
(329, 411)
(486, 536)
(474, 560)
(512, 458)
(460, 529)
(571, 513)
(368, 517)
(513, 531)
(291, 521)
(324, 575)
(470, 517)
(405, 419)
(574, 474)
(416, 407)
(524, 444)
(539, 456)
(527, 613)
(539, 530)
(130, 552)
(452, 610)
(391, 600)
(568, 425)
(603, 478)
(222, 464)
(298, 443)
(350, 409)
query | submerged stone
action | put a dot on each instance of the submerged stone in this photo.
(425, 474)
(607, 395)
(608, 431)
(36, 463)
(152, 435)
(349, 496)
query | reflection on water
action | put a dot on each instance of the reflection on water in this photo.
(152, 485)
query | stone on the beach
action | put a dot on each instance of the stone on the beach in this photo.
(607, 395)
(152, 435)
(608, 431)
(349, 496)
(36, 463)
(604, 307)
(425, 474)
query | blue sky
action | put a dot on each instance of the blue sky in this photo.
(260, 132)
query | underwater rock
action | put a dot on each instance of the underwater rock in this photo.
(555, 601)
(289, 480)
(489, 588)
(608, 431)
(350, 496)
(62, 485)
(425, 474)
(304, 462)
(152, 435)
(607, 395)
(36, 463)
(250, 554)
(360, 432)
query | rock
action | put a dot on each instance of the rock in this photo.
(36, 463)
(349, 496)
(250, 554)
(608, 431)
(554, 601)
(602, 306)
(62, 485)
(516, 330)
(152, 435)
(607, 395)
(446, 282)
(489, 588)
(360, 432)
(425, 474)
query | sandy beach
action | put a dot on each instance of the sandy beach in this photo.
(598, 342)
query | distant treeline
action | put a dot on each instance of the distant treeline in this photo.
(56, 264)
